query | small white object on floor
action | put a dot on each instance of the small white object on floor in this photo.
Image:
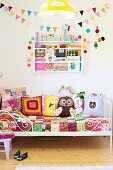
(64, 168)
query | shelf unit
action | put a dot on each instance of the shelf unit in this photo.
(58, 56)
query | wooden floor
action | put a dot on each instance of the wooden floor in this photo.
(68, 151)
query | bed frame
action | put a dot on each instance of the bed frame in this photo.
(107, 116)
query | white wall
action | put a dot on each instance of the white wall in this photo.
(98, 75)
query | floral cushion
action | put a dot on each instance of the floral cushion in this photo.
(78, 99)
(11, 98)
(15, 103)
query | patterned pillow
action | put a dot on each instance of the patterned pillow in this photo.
(94, 105)
(0, 102)
(6, 97)
(51, 105)
(43, 103)
(32, 106)
(15, 103)
(78, 103)
(21, 91)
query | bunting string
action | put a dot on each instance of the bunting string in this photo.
(92, 11)
(11, 11)
(30, 12)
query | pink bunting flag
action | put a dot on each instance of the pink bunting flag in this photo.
(98, 14)
(75, 27)
(17, 17)
(29, 23)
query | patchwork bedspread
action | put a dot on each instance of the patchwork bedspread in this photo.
(17, 122)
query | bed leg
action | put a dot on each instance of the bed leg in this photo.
(110, 143)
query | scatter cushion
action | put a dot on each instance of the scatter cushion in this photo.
(43, 103)
(32, 106)
(78, 99)
(51, 105)
(6, 97)
(11, 98)
(15, 103)
(65, 107)
(94, 105)
(20, 91)
(0, 102)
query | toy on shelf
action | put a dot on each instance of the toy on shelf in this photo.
(55, 37)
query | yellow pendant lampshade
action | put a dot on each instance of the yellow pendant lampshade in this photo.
(61, 9)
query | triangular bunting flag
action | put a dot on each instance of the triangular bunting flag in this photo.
(86, 21)
(41, 27)
(1, 5)
(29, 13)
(35, 13)
(94, 9)
(12, 13)
(29, 23)
(23, 20)
(17, 16)
(81, 12)
(6, 8)
(103, 10)
(54, 29)
(48, 29)
(22, 11)
(80, 23)
(107, 6)
(98, 14)
(10, 7)
(92, 18)
(68, 28)
(75, 27)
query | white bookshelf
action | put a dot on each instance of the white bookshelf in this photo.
(71, 63)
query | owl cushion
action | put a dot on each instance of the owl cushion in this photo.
(65, 107)
(94, 105)
(50, 105)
